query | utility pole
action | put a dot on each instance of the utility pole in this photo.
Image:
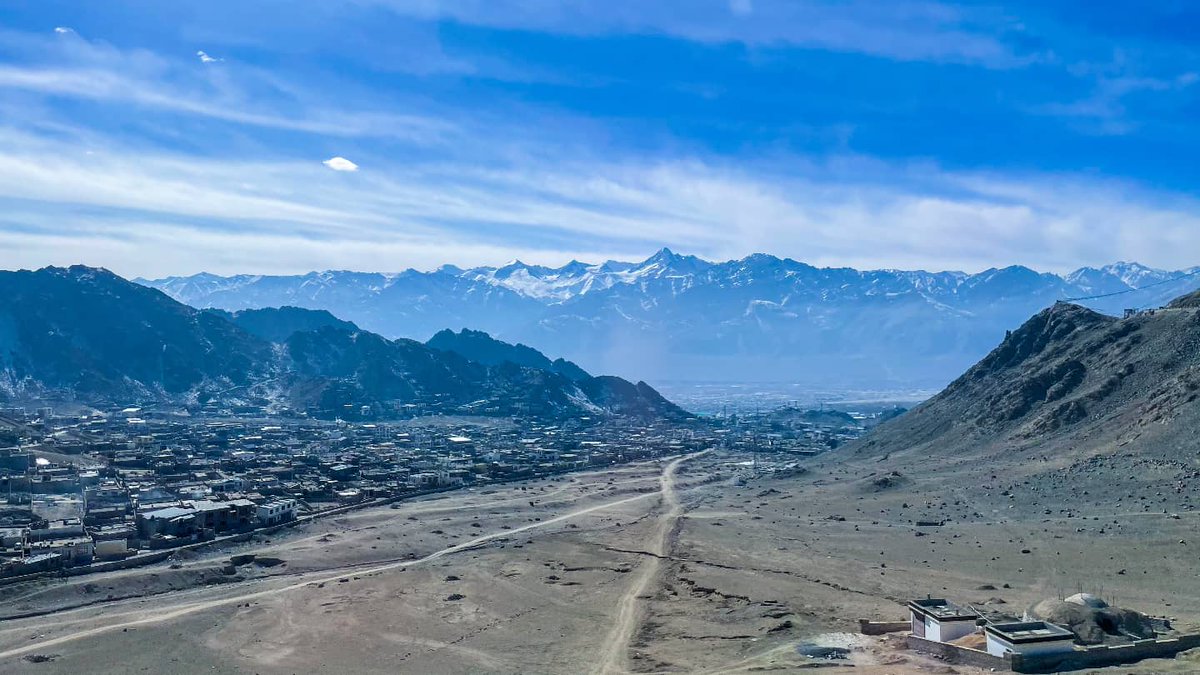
(754, 453)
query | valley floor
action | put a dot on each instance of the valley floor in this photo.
(657, 567)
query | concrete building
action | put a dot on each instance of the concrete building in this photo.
(71, 551)
(940, 620)
(1028, 637)
(277, 511)
(172, 521)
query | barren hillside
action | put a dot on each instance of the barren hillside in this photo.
(1069, 383)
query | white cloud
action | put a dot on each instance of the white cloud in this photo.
(340, 164)
(63, 30)
(184, 249)
(179, 187)
(497, 194)
(205, 58)
(136, 212)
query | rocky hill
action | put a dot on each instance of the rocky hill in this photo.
(344, 370)
(479, 346)
(89, 335)
(277, 324)
(1073, 407)
(1189, 301)
(89, 331)
(1067, 374)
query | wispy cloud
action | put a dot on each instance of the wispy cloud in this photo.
(906, 30)
(140, 211)
(99, 72)
(184, 167)
(1104, 111)
(108, 85)
(205, 58)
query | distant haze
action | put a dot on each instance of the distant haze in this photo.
(682, 319)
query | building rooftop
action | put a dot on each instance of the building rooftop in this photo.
(940, 608)
(1029, 631)
(168, 513)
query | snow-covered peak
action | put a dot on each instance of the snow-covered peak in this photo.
(1117, 277)
(1135, 275)
(553, 285)
(666, 276)
(542, 283)
(668, 263)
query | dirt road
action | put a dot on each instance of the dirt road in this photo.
(124, 620)
(614, 657)
(488, 582)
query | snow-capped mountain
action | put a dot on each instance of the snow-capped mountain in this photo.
(680, 318)
(576, 278)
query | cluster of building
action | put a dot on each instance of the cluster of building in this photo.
(1080, 631)
(106, 486)
(803, 431)
(939, 620)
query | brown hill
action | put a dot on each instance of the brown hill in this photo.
(1073, 407)
(1069, 373)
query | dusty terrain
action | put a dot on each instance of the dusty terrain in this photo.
(668, 566)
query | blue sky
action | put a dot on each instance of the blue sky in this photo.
(162, 138)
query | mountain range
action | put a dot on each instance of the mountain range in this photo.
(679, 318)
(89, 335)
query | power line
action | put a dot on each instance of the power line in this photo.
(1139, 288)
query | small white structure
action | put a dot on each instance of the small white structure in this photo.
(1028, 637)
(940, 620)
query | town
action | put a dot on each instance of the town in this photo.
(126, 486)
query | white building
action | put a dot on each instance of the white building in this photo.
(940, 620)
(1029, 637)
(277, 511)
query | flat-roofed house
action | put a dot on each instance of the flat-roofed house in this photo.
(277, 511)
(940, 620)
(1028, 637)
(172, 521)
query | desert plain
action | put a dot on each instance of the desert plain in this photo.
(695, 563)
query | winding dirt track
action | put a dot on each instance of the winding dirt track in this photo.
(142, 617)
(614, 658)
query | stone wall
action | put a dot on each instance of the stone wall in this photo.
(1087, 657)
(868, 627)
(1105, 655)
(960, 655)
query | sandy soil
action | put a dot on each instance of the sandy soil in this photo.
(658, 567)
